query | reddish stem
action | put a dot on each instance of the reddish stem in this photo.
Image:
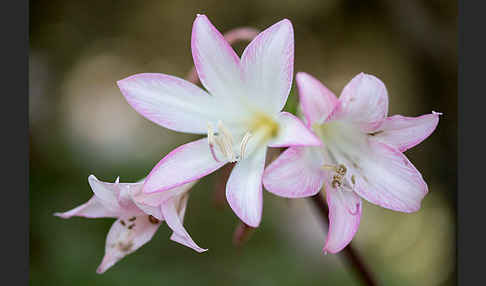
(242, 234)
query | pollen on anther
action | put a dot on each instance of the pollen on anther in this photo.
(153, 219)
(341, 170)
(336, 184)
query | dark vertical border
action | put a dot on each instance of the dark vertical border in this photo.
(15, 139)
(471, 170)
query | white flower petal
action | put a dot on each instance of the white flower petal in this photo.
(268, 63)
(344, 217)
(150, 203)
(91, 209)
(244, 188)
(122, 241)
(363, 101)
(296, 173)
(293, 132)
(217, 64)
(316, 100)
(388, 179)
(105, 192)
(171, 102)
(406, 132)
(174, 218)
(184, 164)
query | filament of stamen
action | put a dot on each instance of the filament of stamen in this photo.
(225, 132)
(243, 144)
(211, 141)
(210, 134)
(211, 148)
(226, 142)
(225, 148)
(223, 140)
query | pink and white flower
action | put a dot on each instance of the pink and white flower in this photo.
(361, 155)
(240, 113)
(138, 216)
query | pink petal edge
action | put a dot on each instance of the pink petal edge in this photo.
(395, 183)
(218, 50)
(268, 64)
(293, 132)
(244, 188)
(316, 100)
(406, 132)
(209, 163)
(293, 174)
(336, 211)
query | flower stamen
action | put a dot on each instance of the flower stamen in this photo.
(211, 141)
(224, 140)
(243, 144)
(339, 179)
(226, 134)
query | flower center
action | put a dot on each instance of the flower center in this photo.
(223, 140)
(261, 128)
(265, 125)
(344, 145)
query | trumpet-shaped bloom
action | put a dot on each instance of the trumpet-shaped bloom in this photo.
(361, 155)
(138, 216)
(240, 112)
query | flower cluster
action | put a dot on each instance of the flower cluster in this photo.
(347, 146)
(138, 216)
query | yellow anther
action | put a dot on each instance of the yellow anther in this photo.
(339, 179)
(341, 169)
(336, 184)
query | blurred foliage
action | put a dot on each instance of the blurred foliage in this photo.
(80, 124)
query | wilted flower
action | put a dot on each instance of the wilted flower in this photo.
(240, 113)
(138, 216)
(361, 155)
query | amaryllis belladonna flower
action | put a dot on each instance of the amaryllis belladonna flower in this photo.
(240, 112)
(361, 155)
(138, 216)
